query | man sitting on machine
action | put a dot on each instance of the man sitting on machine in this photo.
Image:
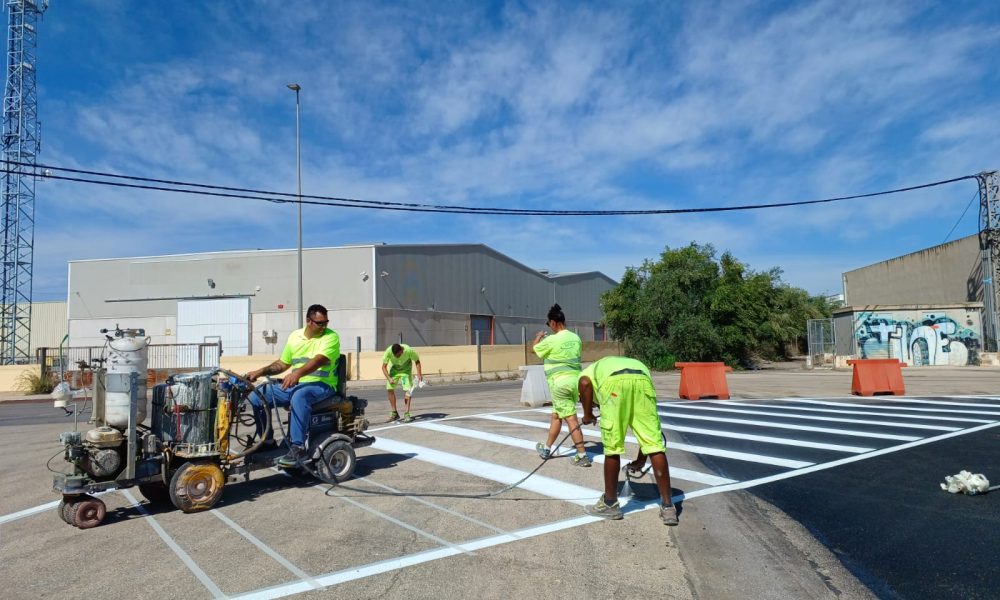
(313, 351)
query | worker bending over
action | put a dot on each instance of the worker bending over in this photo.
(624, 390)
(397, 366)
(560, 354)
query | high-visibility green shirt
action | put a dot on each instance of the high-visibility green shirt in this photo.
(299, 350)
(560, 354)
(599, 371)
(403, 364)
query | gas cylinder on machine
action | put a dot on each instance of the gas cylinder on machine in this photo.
(126, 355)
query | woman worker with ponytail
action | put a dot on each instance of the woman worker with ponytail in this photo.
(560, 354)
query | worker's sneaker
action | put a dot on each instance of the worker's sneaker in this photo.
(582, 460)
(602, 510)
(295, 454)
(668, 514)
(407, 417)
(542, 451)
(393, 416)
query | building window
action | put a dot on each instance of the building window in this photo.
(599, 335)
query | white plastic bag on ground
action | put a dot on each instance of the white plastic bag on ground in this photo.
(966, 483)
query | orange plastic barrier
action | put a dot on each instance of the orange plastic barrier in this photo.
(699, 380)
(877, 376)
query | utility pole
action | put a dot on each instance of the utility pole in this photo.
(989, 247)
(21, 144)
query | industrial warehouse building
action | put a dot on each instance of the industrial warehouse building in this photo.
(426, 295)
(924, 308)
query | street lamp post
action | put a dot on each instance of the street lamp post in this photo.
(298, 167)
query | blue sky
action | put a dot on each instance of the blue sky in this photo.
(542, 105)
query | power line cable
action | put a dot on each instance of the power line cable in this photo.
(284, 197)
(950, 231)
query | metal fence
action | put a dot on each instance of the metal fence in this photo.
(159, 356)
(822, 342)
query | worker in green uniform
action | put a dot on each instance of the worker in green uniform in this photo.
(397, 367)
(624, 390)
(312, 354)
(560, 354)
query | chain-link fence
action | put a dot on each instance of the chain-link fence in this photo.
(821, 341)
(160, 357)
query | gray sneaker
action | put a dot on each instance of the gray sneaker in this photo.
(602, 510)
(543, 452)
(582, 461)
(668, 514)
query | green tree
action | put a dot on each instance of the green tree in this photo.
(690, 306)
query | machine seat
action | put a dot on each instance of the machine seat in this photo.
(337, 396)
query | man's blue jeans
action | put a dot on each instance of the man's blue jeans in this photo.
(300, 397)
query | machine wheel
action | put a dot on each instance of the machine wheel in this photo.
(66, 510)
(156, 493)
(196, 486)
(338, 461)
(87, 512)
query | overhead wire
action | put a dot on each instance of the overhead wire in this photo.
(204, 189)
(962, 216)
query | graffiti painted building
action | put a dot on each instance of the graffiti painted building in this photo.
(919, 336)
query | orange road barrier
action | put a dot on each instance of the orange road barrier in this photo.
(699, 380)
(877, 376)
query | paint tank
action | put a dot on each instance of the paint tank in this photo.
(126, 355)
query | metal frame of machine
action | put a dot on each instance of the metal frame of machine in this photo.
(184, 455)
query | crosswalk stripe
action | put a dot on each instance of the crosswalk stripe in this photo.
(793, 426)
(675, 472)
(944, 402)
(722, 453)
(539, 484)
(770, 440)
(850, 412)
(899, 408)
(818, 418)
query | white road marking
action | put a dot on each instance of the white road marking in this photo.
(862, 412)
(34, 510)
(900, 408)
(820, 418)
(267, 550)
(943, 402)
(355, 573)
(539, 484)
(675, 472)
(169, 541)
(792, 426)
(771, 440)
(744, 456)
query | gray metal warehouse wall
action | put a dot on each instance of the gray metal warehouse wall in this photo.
(947, 273)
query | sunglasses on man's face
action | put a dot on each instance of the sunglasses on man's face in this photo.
(319, 323)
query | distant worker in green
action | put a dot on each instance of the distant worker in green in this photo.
(560, 354)
(624, 390)
(397, 366)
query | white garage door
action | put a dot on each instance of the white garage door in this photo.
(226, 319)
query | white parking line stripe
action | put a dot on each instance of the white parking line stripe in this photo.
(267, 550)
(863, 412)
(169, 541)
(744, 456)
(355, 573)
(396, 521)
(944, 402)
(34, 510)
(771, 440)
(426, 502)
(539, 484)
(397, 424)
(899, 408)
(819, 418)
(675, 472)
(792, 426)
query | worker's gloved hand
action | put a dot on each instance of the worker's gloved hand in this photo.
(589, 419)
(420, 382)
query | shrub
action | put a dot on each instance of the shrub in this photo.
(32, 382)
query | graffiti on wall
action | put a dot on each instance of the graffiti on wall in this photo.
(946, 337)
